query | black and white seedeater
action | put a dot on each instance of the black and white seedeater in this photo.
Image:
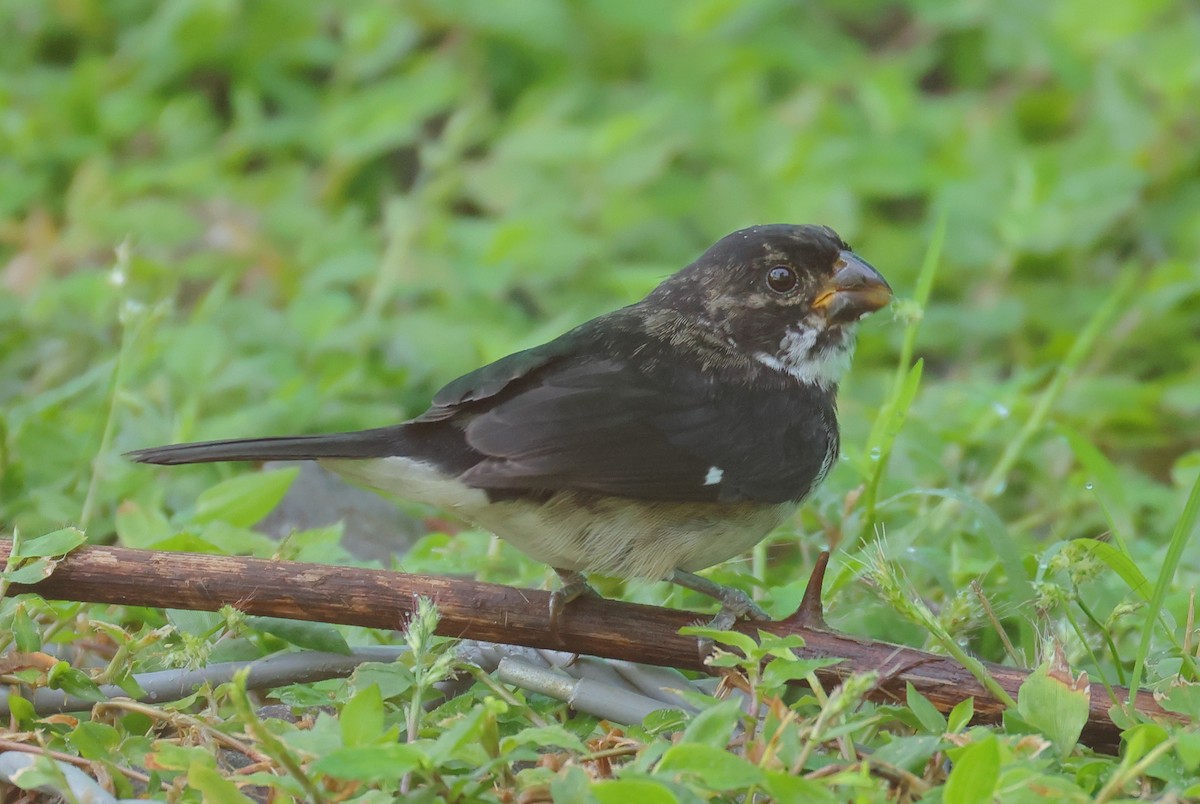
(654, 441)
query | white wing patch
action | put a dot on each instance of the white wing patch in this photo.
(715, 473)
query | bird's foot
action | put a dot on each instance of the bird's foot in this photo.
(810, 615)
(574, 586)
(735, 605)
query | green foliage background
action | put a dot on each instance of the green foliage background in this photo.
(224, 218)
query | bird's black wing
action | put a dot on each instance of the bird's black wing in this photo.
(582, 414)
(430, 437)
(504, 376)
(673, 433)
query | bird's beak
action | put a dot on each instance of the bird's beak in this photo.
(855, 290)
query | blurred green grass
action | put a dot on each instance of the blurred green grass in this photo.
(225, 218)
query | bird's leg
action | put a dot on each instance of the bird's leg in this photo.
(735, 604)
(574, 585)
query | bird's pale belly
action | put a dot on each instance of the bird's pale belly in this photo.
(586, 532)
(629, 538)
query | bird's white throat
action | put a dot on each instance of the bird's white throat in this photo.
(803, 357)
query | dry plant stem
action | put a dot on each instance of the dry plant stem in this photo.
(988, 612)
(84, 764)
(489, 612)
(182, 721)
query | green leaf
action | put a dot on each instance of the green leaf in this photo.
(891, 425)
(788, 787)
(1107, 484)
(1184, 699)
(394, 678)
(975, 773)
(911, 753)
(746, 644)
(571, 785)
(1119, 563)
(245, 499)
(236, 540)
(996, 532)
(56, 543)
(1140, 739)
(187, 542)
(21, 709)
(33, 560)
(893, 413)
(73, 682)
(140, 526)
(463, 735)
(214, 787)
(780, 646)
(40, 773)
(960, 715)
(888, 424)
(302, 633)
(664, 721)
(1184, 529)
(94, 740)
(31, 572)
(632, 791)
(372, 763)
(780, 671)
(715, 768)
(25, 631)
(197, 623)
(927, 714)
(1187, 746)
(362, 718)
(181, 757)
(1056, 707)
(552, 736)
(714, 726)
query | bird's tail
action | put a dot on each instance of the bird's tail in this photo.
(375, 443)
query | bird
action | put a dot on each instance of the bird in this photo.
(653, 441)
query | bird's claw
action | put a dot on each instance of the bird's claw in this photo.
(574, 586)
(735, 605)
(731, 599)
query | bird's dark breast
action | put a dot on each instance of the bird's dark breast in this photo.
(639, 410)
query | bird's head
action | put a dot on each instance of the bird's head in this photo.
(788, 296)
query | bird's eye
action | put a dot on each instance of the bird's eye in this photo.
(781, 279)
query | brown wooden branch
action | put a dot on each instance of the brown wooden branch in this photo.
(494, 613)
